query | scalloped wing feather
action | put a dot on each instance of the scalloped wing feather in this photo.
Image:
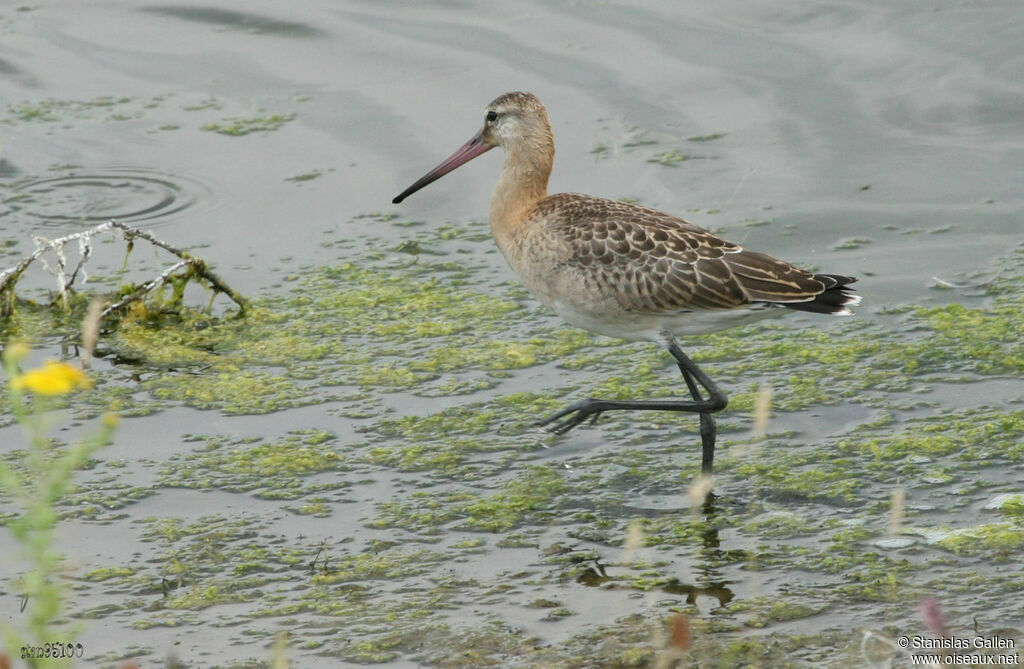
(651, 262)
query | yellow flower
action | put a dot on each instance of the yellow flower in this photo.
(53, 378)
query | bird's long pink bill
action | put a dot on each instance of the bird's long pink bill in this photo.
(466, 153)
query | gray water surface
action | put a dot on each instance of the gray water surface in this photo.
(867, 138)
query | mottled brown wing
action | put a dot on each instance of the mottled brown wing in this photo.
(655, 263)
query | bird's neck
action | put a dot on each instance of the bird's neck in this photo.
(523, 183)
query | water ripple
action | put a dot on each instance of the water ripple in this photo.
(127, 194)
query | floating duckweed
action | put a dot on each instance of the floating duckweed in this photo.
(317, 509)
(272, 470)
(984, 341)
(233, 392)
(52, 111)
(780, 524)
(417, 457)
(851, 243)
(532, 495)
(471, 419)
(204, 597)
(1013, 507)
(1002, 541)
(97, 497)
(424, 513)
(391, 377)
(668, 158)
(824, 480)
(392, 306)
(108, 573)
(385, 565)
(559, 613)
(237, 127)
(970, 434)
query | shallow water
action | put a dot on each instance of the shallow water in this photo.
(857, 137)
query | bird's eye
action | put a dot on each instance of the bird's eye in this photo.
(492, 116)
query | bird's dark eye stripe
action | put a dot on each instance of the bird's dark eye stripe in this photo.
(492, 115)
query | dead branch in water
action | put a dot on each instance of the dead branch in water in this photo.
(197, 267)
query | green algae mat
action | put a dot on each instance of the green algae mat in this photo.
(397, 502)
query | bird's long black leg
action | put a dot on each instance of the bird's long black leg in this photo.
(695, 379)
(708, 428)
(716, 401)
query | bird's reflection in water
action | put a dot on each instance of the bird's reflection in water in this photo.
(593, 576)
(708, 580)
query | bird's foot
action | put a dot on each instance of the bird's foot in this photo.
(574, 415)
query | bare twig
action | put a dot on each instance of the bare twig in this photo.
(198, 266)
(9, 276)
(145, 288)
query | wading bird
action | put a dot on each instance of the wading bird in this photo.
(623, 270)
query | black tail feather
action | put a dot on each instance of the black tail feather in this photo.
(837, 298)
